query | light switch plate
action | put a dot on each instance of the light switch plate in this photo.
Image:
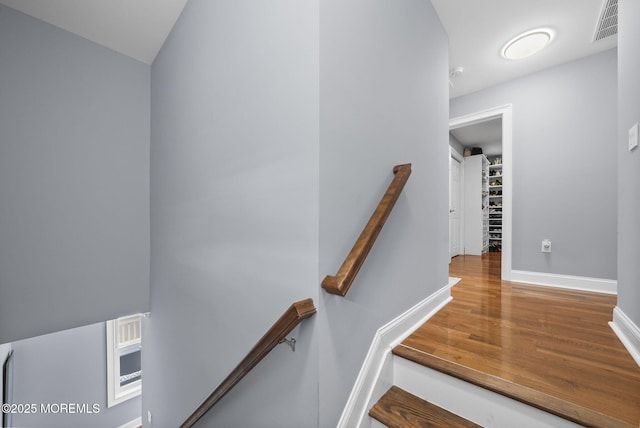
(633, 137)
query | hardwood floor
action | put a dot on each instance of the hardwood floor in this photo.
(548, 347)
(400, 409)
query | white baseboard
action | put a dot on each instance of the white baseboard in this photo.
(582, 283)
(133, 424)
(377, 364)
(628, 333)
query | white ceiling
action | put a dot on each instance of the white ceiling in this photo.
(136, 28)
(479, 29)
(479, 134)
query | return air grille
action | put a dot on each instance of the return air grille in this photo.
(128, 330)
(608, 23)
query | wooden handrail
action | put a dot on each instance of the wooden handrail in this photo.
(340, 283)
(280, 329)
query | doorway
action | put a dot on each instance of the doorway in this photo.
(455, 180)
(504, 115)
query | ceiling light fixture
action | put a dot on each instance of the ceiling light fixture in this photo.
(456, 71)
(527, 44)
(453, 73)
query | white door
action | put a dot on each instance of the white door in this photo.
(454, 206)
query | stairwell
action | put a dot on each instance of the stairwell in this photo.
(446, 401)
(505, 355)
(398, 408)
(490, 353)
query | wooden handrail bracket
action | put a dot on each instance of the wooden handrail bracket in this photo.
(280, 329)
(340, 283)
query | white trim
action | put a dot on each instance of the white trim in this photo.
(137, 422)
(628, 333)
(474, 403)
(453, 153)
(378, 358)
(117, 394)
(582, 283)
(506, 113)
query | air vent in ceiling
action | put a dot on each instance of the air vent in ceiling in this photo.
(608, 23)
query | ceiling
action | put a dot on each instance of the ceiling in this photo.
(479, 29)
(479, 134)
(136, 28)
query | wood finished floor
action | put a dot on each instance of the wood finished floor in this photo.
(401, 409)
(548, 347)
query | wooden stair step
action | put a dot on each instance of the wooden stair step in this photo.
(400, 409)
(549, 348)
(565, 409)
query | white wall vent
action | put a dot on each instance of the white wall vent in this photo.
(608, 22)
(128, 331)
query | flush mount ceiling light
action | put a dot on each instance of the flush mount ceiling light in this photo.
(527, 44)
(456, 71)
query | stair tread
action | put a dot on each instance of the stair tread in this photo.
(400, 409)
(565, 409)
(549, 348)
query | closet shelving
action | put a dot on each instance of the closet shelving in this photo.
(495, 204)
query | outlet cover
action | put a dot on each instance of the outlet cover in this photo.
(546, 246)
(633, 137)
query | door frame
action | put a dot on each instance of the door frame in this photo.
(504, 112)
(453, 153)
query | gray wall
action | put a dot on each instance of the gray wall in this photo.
(455, 144)
(234, 203)
(67, 367)
(628, 162)
(383, 101)
(250, 209)
(564, 163)
(4, 351)
(74, 180)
